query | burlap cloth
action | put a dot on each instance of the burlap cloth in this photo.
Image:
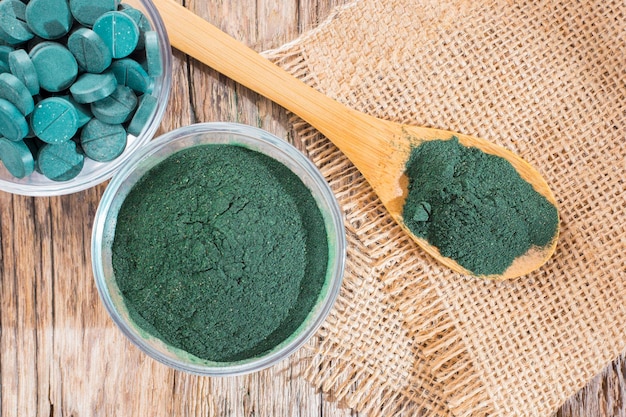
(546, 79)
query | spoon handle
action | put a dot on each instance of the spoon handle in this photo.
(377, 147)
(196, 37)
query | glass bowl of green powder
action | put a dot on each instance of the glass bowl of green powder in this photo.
(218, 249)
(83, 85)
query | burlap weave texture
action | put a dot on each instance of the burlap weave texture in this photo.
(545, 79)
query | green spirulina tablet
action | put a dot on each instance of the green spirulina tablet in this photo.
(145, 110)
(93, 87)
(5, 51)
(116, 108)
(90, 51)
(103, 142)
(49, 19)
(13, 90)
(153, 54)
(119, 31)
(130, 73)
(22, 67)
(13, 27)
(54, 120)
(86, 12)
(55, 65)
(60, 162)
(83, 111)
(16, 157)
(140, 19)
(13, 125)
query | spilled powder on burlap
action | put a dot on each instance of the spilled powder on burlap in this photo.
(542, 78)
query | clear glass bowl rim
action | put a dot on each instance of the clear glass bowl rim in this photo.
(337, 244)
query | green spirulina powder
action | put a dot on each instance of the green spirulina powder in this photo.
(220, 251)
(474, 207)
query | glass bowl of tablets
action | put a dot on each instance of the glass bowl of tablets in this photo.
(83, 85)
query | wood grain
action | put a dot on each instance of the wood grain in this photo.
(61, 355)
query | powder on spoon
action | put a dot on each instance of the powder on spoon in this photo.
(474, 207)
(220, 251)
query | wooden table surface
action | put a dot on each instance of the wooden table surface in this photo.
(61, 355)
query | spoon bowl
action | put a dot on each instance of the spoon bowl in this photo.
(379, 148)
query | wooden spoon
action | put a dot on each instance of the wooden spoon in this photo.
(378, 148)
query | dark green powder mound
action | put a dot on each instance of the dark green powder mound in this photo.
(474, 207)
(220, 251)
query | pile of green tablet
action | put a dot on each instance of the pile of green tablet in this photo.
(75, 81)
